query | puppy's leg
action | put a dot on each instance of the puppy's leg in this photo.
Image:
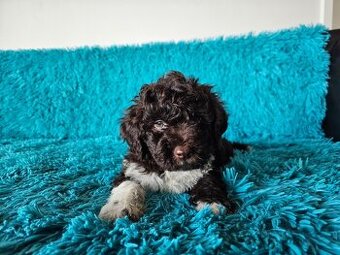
(241, 146)
(225, 151)
(127, 198)
(211, 191)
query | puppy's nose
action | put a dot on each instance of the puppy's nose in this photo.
(179, 152)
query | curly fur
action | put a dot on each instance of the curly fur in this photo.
(176, 124)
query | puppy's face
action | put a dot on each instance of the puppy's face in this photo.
(175, 122)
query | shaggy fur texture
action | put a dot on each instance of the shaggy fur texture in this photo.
(176, 114)
(52, 187)
(273, 85)
(174, 131)
(52, 190)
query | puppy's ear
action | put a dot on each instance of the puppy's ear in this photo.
(220, 120)
(221, 117)
(132, 131)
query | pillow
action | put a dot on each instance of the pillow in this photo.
(273, 85)
(331, 124)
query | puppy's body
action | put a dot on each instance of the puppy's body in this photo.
(174, 134)
(168, 181)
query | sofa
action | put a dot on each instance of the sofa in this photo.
(60, 147)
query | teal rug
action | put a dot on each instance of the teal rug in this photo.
(60, 148)
(52, 190)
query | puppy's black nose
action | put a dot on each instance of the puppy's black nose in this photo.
(179, 152)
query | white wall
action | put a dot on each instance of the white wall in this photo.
(71, 23)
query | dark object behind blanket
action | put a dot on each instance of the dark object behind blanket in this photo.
(331, 123)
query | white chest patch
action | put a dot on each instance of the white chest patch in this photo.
(169, 181)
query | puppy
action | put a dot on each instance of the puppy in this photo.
(174, 132)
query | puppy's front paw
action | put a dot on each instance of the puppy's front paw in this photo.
(127, 199)
(216, 208)
(117, 209)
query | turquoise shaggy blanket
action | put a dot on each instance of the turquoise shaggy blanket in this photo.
(60, 148)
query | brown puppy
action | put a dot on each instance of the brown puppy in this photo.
(174, 132)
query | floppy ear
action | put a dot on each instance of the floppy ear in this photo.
(218, 115)
(221, 117)
(132, 131)
(220, 120)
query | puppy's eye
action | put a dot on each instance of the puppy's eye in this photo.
(160, 125)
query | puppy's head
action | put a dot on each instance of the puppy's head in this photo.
(175, 122)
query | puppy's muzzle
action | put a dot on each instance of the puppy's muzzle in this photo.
(180, 152)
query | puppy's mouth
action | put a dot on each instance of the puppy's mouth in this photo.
(193, 162)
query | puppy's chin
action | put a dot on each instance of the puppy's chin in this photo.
(182, 165)
(194, 161)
